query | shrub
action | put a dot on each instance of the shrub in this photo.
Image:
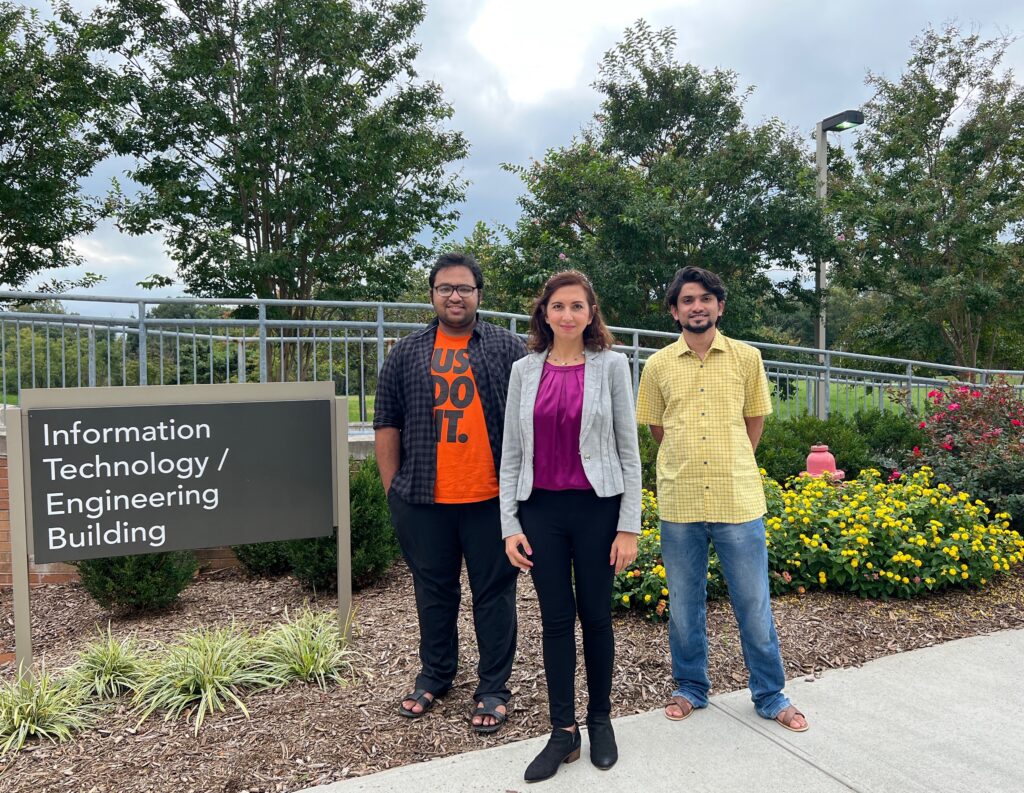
(137, 583)
(974, 440)
(899, 538)
(41, 707)
(648, 458)
(889, 437)
(264, 558)
(374, 547)
(107, 667)
(203, 673)
(642, 585)
(877, 539)
(310, 649)
(786, 443)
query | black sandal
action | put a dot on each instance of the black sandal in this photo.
(490, 708)
(419, 696)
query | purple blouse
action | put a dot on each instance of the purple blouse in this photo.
(557, 420)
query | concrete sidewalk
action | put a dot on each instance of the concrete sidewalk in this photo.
(943, 719)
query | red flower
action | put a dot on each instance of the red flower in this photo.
(947, 446)
(917, 451)
(1016, 422)
(922, 425)
(953, 406)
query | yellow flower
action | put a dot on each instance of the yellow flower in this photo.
(625, 599)
(647, 598)
(664, 592)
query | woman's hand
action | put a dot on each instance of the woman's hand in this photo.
(623, 550)
(516, 542)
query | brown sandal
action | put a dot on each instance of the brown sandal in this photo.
(683, 704)
(785, 718)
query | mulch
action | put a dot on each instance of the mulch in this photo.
(302, 736)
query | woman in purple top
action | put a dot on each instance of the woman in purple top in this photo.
(570, 501)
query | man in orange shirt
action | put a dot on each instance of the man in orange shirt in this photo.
(438, 419)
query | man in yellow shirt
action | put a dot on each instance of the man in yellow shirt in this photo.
(705, 398)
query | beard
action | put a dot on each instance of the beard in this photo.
(704, 328)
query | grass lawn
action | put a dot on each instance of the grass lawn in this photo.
(844, 399)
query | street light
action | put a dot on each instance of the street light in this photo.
(848, 119)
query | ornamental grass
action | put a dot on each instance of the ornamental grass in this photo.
(203, 673)
(40, 706)
(310, 648)
(108, 667)
(899, 538)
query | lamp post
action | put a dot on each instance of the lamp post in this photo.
(837, 123)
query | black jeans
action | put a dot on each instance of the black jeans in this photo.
(571, 534)
(434, 539)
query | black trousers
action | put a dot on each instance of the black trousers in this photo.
(571, 534)
(434, 539)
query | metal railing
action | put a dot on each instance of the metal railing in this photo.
(346, 342)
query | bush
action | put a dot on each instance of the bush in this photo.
(642, 585)
(42, 707)
(264, 558)
(137, 583)
(786, 443)
(648, 458)
(900, 538)
(889, 437)
(374, 547)
(974, 440)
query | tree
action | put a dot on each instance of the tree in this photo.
(284, 147)
(51, 95)
(933, 217)
(668, 175)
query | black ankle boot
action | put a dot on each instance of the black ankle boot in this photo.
(603, 751)
(563, 747)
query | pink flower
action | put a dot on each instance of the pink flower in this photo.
(562, 256)
(916, 579)
(975, 394)
(934, 394)
(962, 389)
(1016, 422)
(953, 406)
(787, 576)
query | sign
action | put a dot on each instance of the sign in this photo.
(116, 481)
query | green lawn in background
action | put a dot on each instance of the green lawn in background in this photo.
(843, 398)
(353, 408)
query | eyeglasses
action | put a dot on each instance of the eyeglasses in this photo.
(446, 290)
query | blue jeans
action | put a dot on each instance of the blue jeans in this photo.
(744, 558)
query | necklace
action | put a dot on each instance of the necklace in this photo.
(565, 362)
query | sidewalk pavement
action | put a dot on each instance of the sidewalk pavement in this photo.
(938, 720)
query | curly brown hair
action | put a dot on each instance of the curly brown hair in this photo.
(596, 335)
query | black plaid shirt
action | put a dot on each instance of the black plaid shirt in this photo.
(405, 400)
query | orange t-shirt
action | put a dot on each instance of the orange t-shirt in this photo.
(465, 464)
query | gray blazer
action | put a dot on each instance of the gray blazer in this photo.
(609, 448)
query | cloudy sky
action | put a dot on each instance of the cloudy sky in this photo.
(518, 73)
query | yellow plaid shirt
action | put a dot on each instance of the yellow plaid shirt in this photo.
(706, 467)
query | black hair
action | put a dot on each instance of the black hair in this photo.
(456, 259)
(694, 275)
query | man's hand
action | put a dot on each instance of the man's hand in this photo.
(623, 551)
(657, 431)
(516, 556)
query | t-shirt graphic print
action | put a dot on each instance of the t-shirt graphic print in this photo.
(465, 464)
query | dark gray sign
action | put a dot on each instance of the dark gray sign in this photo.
(116, 481)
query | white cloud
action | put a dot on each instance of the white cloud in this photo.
(540, 46)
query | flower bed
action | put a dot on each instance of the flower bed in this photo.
(873, 538)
